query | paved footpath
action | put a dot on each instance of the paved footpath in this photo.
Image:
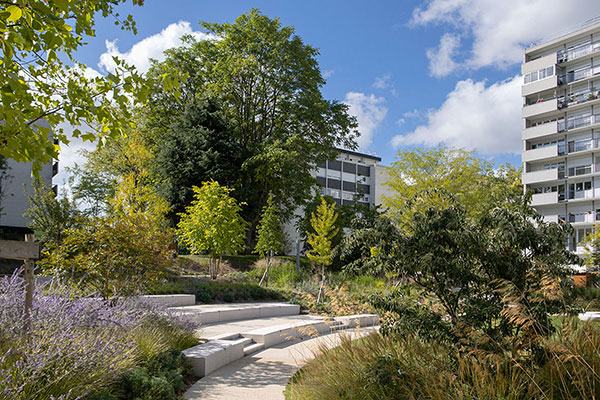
(263, 375)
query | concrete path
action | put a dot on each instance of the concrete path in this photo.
(263, 375)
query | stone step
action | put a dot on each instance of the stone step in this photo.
(247, 341)
(253, 348)
(211, 315)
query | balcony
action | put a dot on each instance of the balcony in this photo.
(540, 130)
(545, 175)
(583, 218)
(539, 86)
(542, 199)
(577, 75)
(543, 153)
(578, 122)
(540, 108)
(563, 56)
(579, 98)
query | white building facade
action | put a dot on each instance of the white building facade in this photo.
(561, 129)
(351, 178)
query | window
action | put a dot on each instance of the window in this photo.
(334, 183)
(366, 189)
(321, 181)
(539, 74)
(349, 186)
(364, 170)
(347, 196)
(350, 168)
(334, 165)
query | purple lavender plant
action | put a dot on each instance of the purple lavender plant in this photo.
(75, 344)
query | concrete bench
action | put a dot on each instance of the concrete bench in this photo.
(590, 316)
(171, 300)
(210, 356)
(360, 320)
(272, 335)
(225, 314)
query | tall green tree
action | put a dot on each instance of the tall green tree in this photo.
(267, 83)
(270, 236)
(212, 223)
(321, 249)
(43, 85)
(200, 147)
(471, 180)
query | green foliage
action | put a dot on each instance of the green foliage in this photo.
(113, 256)
(270, 233)
(267, 84)
(472, 181)
(51, 217)
(44, 86)
(406, 367)
(212, 224)
(591, 246)
(320, 242)
(471, 270)
(199, 147)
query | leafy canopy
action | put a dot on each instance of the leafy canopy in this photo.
(267, 83)
(471, 180)
(212, 222)
(323, 223)
(43, 86)
(270, 235)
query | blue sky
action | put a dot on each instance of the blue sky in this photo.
(413, 72)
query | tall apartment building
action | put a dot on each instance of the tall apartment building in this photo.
(561, 129)
(351, 178)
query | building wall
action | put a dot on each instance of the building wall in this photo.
(561, 129)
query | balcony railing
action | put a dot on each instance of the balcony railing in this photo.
(577, 75)
(578, 122)
(577, 52)
(578, 98)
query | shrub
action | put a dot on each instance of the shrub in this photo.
(112, 256)
(74, 344)
(203, 296)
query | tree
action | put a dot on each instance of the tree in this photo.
(112, 255)
(212, 223)
(481, 273)
(3, 177)
(472, 181)
(267, 83)
(49, 216)
(320, 242)
(200, 147)
(44, 86)
(270, 236)
(591, 248)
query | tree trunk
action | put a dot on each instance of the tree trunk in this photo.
(29, 288)
(320, 296)
(265, 276)
(212, 267)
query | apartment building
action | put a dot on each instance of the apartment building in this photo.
(561, 129)
(351, 178)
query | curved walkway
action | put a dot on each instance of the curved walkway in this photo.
(263, 375)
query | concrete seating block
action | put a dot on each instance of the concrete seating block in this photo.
(273, 335)
(172, 300)
(212, 355)
(360, 320)
(590, 316)
(238, 313)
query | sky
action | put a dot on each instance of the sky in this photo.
(414, 73)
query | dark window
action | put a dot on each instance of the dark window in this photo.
(321, 165)
(349, 186)
(348, 202)
(334, 183)
(364, 171)
(350, 168)
(321, 181)
(366, 189)
(334, 165)
(338, 202)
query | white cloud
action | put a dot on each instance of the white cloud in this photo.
(414, 114)
(400, 121)
(441, 61)
(486, 119)
(382, 82)
(151, 47)
(369, 111)
(501, 29)
(70, 154)
(327, 73)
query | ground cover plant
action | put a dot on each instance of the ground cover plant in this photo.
(75, 346)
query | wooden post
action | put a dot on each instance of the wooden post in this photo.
(29, 287)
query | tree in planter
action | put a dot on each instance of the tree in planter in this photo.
(320, 242)
(270, 236)
(212, 224)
